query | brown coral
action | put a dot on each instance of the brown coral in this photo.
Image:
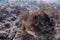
(39, 22)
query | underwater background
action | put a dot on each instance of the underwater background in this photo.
(10, 18)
